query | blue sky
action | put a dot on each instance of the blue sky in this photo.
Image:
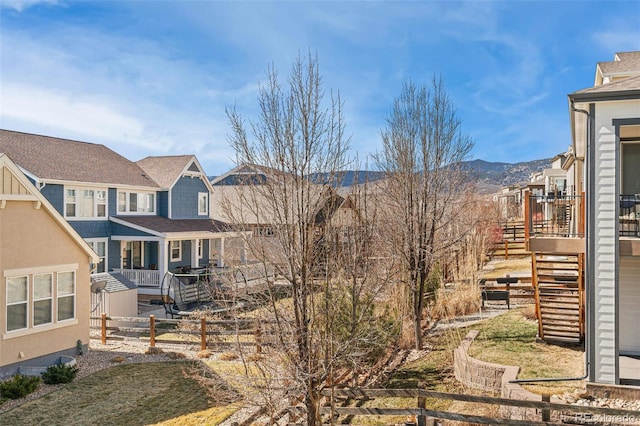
(154, 77)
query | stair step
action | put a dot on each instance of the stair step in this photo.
(562, 339)
(550, 315)
(559, 298)
(558, 307)
(570, 325)
(558, 289)
(560, 328)
(563, 300)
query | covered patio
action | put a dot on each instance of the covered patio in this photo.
(152, 245)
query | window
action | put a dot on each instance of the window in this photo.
(263, 232)
(66, 295)
(136, 202)
(89, 203)
(176, 250)
(100, 247)
(132, 255)
(70, 203)
(17, 301)
(42, 299)
(203, 203)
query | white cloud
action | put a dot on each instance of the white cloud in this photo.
(21, 5)
(82, 114)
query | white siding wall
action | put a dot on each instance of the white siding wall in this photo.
(606, 239)
(604, 195)
(629, 305)
(117, 304)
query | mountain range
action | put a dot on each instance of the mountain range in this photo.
(491, 176)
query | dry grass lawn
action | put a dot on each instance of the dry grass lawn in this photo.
(503, 267)
(131, 394)
(511, 339)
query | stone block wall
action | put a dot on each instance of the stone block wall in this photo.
(494, 378)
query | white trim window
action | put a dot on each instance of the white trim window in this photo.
(136, 202)
(99, 245)
(200, 249)
(203, 203)
(175, 249)
(66, 296)
(17, 303)
(42, 299)
(85, 203)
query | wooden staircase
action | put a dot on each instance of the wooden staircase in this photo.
(558, 282)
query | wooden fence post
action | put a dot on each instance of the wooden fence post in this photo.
(421, 419)
(203, 333)
(103, 328)
(506, 250)
(546, 413)
(152, 331)
(258, 338)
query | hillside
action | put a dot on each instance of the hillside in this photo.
(491, 176)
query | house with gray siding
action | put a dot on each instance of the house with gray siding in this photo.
(599, 226)
(605, 123)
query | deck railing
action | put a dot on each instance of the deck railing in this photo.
(142, 277)
(554, 216)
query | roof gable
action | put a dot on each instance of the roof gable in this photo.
(166, 170)
(28, 192)
(55, 159)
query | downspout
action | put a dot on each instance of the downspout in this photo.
(587, 356)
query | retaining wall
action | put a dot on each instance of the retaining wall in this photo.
(494, 378)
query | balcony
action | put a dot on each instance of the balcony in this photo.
(556, 223)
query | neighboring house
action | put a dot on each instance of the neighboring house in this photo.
(45, 279)
(143, 219)
(605, 164)
(244, 196)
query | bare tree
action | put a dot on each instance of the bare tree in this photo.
(292, 156)
(422, 150)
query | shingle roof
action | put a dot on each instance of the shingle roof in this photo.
(165, 170)
(631, 83)
(165, 225)
(628, 62)
(61, 159)
(115, 281)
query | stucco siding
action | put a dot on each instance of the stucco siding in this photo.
(32, 238)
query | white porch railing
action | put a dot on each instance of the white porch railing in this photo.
(142, 277)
